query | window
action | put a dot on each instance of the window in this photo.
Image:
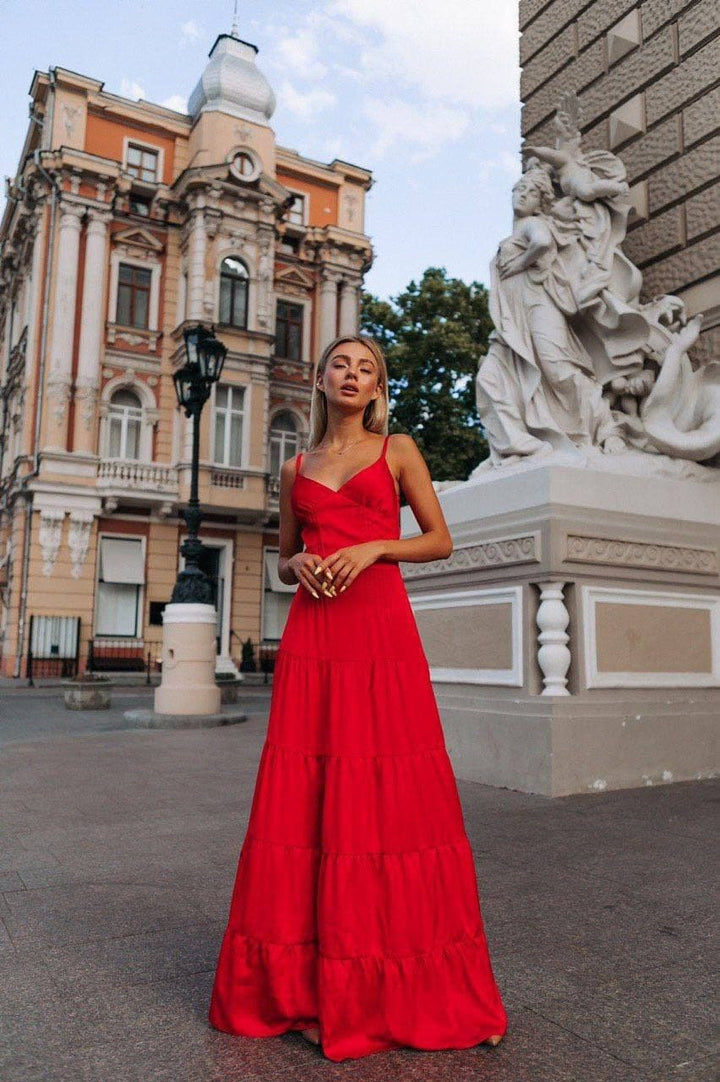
(124, 421)
(228, 419)
(121, 574)
(296, 211)
(142, 163)
(284, 441)
(133, 296)
(288, 330)
(233, 292)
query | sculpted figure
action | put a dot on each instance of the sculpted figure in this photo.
(681, 414)
(573, 360)
(536, 388)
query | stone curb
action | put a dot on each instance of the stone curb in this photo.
(148, 719)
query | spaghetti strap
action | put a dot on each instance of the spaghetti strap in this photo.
(297, 463)
(384, 447)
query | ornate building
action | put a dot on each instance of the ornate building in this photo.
(125, 223)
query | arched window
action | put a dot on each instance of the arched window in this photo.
(233, 292)
(284, 441)
(123, 426)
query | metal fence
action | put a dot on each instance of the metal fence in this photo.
(54, 647)
(117, 655)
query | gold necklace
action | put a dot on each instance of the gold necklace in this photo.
(332, 449)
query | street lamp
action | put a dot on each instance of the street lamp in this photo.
(193, 382)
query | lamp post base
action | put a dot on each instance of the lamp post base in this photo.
(188, 661)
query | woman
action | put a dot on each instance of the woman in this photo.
(355, 915)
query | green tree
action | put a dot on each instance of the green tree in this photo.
(434, 335)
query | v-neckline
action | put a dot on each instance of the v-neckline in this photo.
(381, 458)
(342, 486)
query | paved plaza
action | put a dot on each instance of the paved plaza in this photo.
(118, 854)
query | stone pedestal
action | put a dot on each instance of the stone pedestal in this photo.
(188, 661)
(573, 635)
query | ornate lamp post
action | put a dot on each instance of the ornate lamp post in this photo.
(193, 383)
(190, 621)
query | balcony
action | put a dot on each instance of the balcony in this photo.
(137, 482)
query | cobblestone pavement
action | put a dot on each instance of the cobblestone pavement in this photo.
(118, 850)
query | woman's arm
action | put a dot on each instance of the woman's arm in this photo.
(435, 542)
(290, 536)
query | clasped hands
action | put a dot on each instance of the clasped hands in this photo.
(334, 573)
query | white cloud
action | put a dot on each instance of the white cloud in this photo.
(130, 89)
(191, 31)
(305, 105)
(176, 102)
(297, 54)
(459, 51)
(425, 127)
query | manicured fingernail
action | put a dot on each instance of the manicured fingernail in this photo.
(343, 588)
(315, 595)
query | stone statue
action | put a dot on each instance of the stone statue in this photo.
(576, 363)
(681, 413)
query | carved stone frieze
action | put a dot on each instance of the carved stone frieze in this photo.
(621, 553)
(501, 552)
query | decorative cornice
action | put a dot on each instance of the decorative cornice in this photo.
(500, 552)
(619, 553)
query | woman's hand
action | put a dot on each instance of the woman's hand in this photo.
(343, 566)
(310, 573)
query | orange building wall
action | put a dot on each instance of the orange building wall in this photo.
(322, 198)
(104, 137)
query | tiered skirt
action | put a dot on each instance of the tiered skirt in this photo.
(355, 906)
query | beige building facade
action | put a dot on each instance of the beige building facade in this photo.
(648, 79)
(126, 223)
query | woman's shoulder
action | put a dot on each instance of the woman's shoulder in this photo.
(289, 466)
(402, 443)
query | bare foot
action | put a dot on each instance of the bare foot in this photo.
(494, 1041)
(312, 1035)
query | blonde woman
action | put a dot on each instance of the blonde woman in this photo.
(355, 916)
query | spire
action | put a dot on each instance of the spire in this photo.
(235, 31)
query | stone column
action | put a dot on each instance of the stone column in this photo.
(33, 326)
(328, 307)
(91, 334)
(553, 654)
(57, 390)
(196, 266)
(349, 310)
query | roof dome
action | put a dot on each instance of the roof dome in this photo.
(232, 83)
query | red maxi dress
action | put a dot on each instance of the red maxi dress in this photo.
(355, 907)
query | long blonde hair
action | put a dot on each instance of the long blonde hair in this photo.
(375, 417)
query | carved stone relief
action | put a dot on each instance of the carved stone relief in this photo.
(50, 536)
(577, 365)
(79, 539)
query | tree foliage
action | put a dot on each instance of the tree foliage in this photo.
(434, 335)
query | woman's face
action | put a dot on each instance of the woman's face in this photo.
(351, 375)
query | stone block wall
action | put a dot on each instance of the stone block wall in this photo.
(647, 75)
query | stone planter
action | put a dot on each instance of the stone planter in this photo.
(87, 694)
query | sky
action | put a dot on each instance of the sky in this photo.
(424, 93)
